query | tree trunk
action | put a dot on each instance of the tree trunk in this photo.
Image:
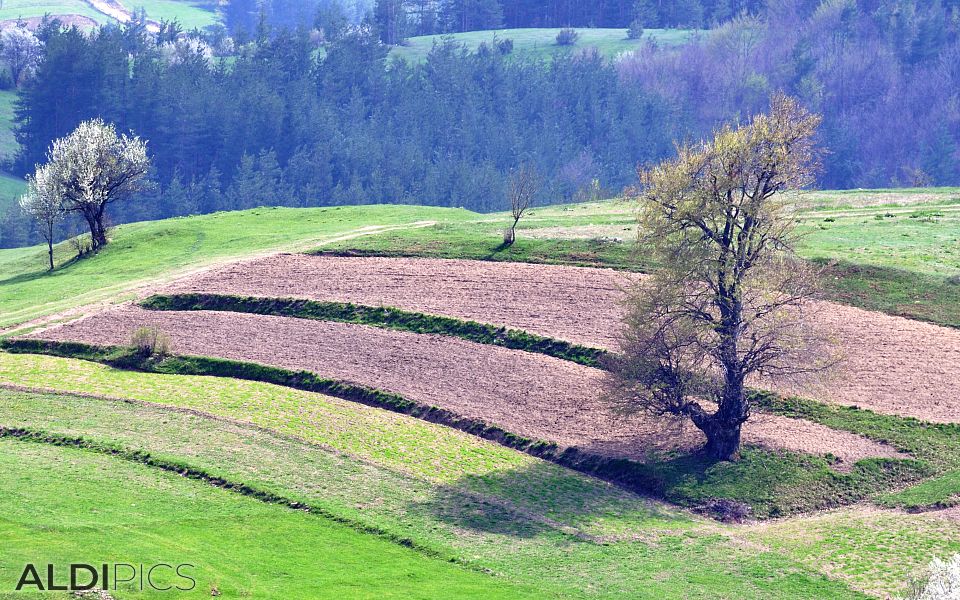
(510, 234)
(50, 252)
(723, 440)
(99, 236)
(98, 233)
(722, 428)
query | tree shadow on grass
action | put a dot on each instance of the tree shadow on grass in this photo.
(538, 498)
(543, 497)
(41, 273)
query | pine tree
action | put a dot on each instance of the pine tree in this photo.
(391, 19)
(645, 13)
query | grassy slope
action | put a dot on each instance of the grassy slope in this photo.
(177, 244)
(568, 535)
(99, 509)
(542, 43)
(189, 13)
(470, 499)
(14, 9)
(900, 264)
(147, 252)
(772, 483)
(11, 188)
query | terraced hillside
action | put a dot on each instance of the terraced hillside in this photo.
(439, 420)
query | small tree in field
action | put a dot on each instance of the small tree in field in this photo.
(90, 169)
(523, 187)
(729, 300)
(567, 37)
(44, 208)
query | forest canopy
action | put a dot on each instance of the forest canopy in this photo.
(286, 119)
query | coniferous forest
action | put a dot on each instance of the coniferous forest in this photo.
(312, 111)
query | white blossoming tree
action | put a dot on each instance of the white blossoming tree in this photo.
(21, 50)
(42, 204)
(90, 169)
(941, 583)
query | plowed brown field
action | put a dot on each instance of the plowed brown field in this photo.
(528, 394)
(576, 304)
(891, 365)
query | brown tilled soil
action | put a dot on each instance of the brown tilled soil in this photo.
(891, 365)
(525, 393)
(576, 304)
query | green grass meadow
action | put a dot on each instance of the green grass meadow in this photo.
(64, 505)
(568, 536)
(189, 13)
(15, 9)
(542, 43)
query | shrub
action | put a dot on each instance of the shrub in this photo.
(505, 46)
(150, 341)
(567, 37)
(941, 583)
(635, 32)
(725, 510)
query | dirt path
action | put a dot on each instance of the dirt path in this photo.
(529, 394)
(117, 11)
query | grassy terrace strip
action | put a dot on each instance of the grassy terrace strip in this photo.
(772, 483)
(937, 443)
(385, 317)
(98, 508)
(626, 473)
(630, 548)
(190, 472)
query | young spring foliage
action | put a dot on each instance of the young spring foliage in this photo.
(42, 203)
(729, 300)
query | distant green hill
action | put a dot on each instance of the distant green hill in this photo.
(543, 42)
(190, 13)
(26, 9)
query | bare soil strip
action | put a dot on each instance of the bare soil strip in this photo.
(575, 304)
(890, 364)
(528, 394)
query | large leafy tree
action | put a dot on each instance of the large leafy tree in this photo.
(90, 169)
(730, 298)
